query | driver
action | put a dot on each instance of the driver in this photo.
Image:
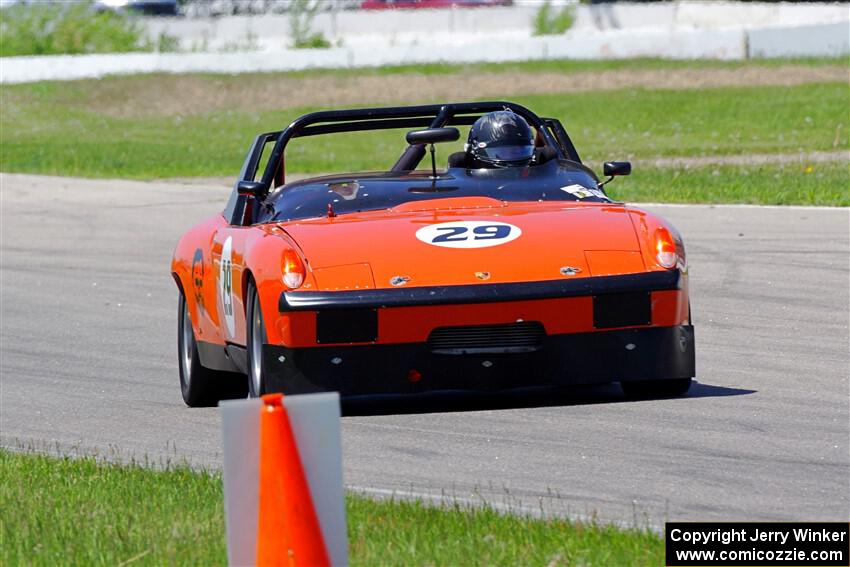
(499, 139)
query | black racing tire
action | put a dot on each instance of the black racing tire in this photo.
(201, 386)
(649, 389)
(255, 338)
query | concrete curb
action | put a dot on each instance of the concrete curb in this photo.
(820, 40)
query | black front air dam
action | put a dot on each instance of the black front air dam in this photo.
(583, 358)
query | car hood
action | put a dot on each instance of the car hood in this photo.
(478, 240)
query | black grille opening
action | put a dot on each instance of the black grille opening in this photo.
(622, 310)
(488, 339)
(347, 326)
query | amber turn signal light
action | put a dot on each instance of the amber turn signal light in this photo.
(665, 248)
(292, 268)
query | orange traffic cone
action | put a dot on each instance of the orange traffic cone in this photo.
(283, 487)
(288, 532)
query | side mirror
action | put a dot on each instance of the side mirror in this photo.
(249, 188)
(432, 136)
(249, 194)
(615, 168)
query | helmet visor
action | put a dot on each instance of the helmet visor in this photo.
(507, 153)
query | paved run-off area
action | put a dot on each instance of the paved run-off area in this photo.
(88, 359)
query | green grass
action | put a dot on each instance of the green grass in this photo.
(412, 533)
(731, 121)
(65, 28)
(65, 511)
(551, 21)
(93, 129)
(826, 184)
(550, 66)
(78, 512)
(44, 131)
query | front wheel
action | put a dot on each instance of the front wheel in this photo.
(256, 338)
(200, 386)
(647, 389)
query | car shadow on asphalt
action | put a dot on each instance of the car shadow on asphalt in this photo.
(521, 398)
(700, 390)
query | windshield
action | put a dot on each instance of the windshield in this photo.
(556, 180)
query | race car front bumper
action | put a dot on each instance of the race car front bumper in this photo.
(570, 359)
(484, 337)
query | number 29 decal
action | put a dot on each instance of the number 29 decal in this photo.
(468, 234)
(225, 286)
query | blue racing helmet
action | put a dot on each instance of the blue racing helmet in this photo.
(501, 139)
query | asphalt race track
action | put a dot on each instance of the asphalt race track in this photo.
(88, 363)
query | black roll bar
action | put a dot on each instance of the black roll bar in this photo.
(433, 116)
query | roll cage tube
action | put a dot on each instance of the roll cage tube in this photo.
(425, 116)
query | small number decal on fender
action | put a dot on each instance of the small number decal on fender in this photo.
(468, 234)
(225, 286)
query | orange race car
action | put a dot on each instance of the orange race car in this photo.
(511, 268)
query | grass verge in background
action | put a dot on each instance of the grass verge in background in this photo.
(573, 65)
(565, 66)
(45, 128)
(301, 15)
(549, 21)
(78, 512)
(826, 184)
(67, 28)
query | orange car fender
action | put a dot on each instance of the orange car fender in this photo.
(645, 225)
(263, 256)
(672, 305)
(192, 270)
